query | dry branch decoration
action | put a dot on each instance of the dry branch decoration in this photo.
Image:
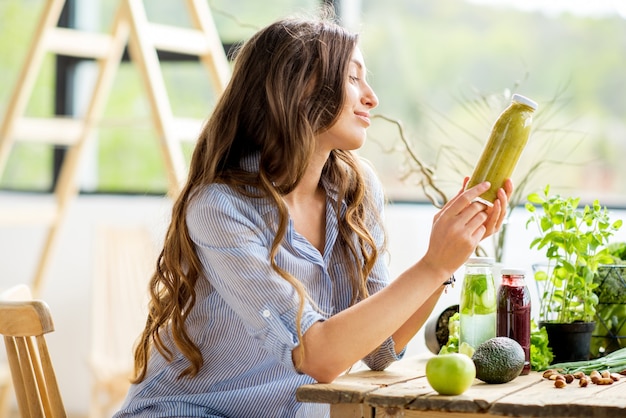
(426, 174)
(484, 108)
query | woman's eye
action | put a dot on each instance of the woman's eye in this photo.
(354, 78)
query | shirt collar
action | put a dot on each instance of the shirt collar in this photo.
(251, 163)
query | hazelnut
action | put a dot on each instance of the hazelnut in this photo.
(604, 381)
(595, 376)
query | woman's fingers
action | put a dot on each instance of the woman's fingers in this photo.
(464, 215)
(497, 214)
(503, 202)
(458, 228)
(495, 218)
(508, 188)
(467, 199)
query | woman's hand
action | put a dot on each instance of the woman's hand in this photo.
(462, 223)
(497, 213)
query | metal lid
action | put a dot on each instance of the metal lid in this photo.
(524, 100)
(513, 272)
(481, 260)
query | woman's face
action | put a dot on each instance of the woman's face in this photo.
(349, 130)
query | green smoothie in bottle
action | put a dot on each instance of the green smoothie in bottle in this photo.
(508, 138)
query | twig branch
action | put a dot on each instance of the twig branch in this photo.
(427, 182)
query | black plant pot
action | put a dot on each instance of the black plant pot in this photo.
(569, 342)
(436, 332)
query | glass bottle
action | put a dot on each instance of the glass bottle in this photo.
(507, 140)
(514, 311)
(478, 302)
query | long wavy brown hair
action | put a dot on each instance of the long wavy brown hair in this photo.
(287, 85)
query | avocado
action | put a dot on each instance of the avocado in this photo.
(498, 360)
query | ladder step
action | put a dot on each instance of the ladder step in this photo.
(76, 43)
(173, 39)
(54, 130)
(39, 215)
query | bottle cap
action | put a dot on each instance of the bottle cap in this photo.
(481, 260)
(513, 272)
(524, 100)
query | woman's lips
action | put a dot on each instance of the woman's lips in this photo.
(365, 116)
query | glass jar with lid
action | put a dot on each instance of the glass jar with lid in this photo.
(514, 310)
(477, 307)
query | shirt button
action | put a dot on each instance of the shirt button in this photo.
(267, 313)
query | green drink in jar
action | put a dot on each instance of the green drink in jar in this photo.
(501, 153)
(478, 305)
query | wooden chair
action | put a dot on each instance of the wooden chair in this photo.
(24, 323)
(125, 257)
(21, 292)
(5, 388)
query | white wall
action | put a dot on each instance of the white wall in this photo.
(67, 288)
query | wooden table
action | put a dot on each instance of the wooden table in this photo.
(403, 391)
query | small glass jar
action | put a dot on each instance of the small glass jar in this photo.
(514, 311)
(477, 307)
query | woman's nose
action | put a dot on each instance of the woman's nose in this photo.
(369, 98)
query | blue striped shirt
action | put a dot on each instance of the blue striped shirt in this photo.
(245, 313)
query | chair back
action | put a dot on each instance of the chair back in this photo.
(125, 258)
(24, 323)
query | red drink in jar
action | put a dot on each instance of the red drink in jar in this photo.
(513, 319)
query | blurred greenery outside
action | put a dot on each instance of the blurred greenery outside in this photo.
(445, 69)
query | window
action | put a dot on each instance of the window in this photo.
(447, 69)
(443, 69)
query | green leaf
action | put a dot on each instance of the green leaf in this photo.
(572, 238)
(533, 198)
(540, 353)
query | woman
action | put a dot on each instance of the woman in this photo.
(272, 274)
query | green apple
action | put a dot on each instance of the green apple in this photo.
(450, 374)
